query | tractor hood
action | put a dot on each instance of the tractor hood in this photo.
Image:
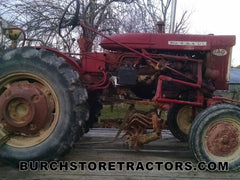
(167, 41)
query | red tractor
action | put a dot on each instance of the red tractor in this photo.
(46, 95)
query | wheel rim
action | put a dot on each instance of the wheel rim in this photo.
(222, 140)
(185, 117)
(29, 109)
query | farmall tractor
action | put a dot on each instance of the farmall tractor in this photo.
(48, 99)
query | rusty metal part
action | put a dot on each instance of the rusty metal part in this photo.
(161, 26)
(136, 125)
(29, 109)
(137, 137)
(222, 139)
(109, 100)
(220, 100)
(24, 107)
(147, 79)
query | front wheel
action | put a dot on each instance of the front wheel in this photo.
(42, 105)
(215, 135)
(180, 118)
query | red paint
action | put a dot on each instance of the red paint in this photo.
(200, 99)
(93, 62)
(95, 68)
(162, 41)
(159, 95)
(217, 66)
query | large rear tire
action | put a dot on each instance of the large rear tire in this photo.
(215, 135)
(42, 104)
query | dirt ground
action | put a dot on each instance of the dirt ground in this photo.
(95, 149)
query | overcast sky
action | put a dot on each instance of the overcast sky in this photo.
(219, 17)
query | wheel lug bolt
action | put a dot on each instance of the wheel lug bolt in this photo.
(33, 127)
(35, 99)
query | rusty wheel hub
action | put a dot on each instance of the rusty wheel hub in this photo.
(24, 107)
(222, 139)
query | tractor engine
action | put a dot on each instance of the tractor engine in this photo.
(141, 78)
(169, 68)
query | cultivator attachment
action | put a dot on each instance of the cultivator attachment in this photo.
(142, 128)
(139, 127)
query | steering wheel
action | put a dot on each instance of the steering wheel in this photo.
(69, 18)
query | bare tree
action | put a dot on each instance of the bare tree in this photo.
(97, 14)
(142, 16)
(40, 19)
